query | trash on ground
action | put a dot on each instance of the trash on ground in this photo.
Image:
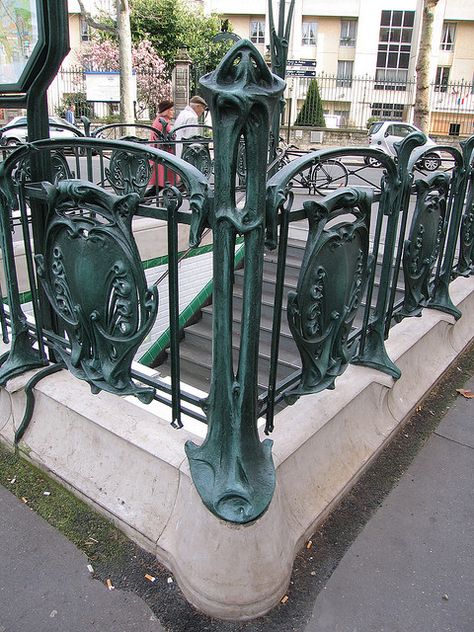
(465, 393)
(284, 599)
(150, 577)
(110, 586)
(89, 568)
(170, 580)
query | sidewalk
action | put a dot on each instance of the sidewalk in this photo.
(412, 566)
(409, 570)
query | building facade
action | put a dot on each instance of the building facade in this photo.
(366, 53)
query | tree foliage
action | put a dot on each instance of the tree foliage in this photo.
(170, 25)
(312, 114)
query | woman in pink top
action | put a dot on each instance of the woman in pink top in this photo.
(161, 174)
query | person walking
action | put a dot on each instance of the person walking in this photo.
(161, 174)
(188, 117)
(70, 114)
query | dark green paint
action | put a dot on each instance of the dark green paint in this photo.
(232, 470)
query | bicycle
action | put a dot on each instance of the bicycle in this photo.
(326, 175)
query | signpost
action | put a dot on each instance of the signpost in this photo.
(300, 72)
(301, 68)
(301, 63)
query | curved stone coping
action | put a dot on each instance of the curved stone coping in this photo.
(130, 464)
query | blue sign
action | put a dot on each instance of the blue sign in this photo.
(301, 63)
(300, 72)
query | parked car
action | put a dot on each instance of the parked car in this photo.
(384, 134)
(15, 132)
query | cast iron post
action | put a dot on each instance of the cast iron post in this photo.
(233, 471)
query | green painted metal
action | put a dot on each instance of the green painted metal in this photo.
(441, 299)
(22, 355)
(422, 248)
(128, 173)
(372, 350)
(330, 287)
(88, 237)
(466, 254)
(279, 42)
(232, 470)
(196, 152)
(30, 90)
(30, 398)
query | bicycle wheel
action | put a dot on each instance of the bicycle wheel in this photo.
(328, 176)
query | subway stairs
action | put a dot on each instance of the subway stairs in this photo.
(196, 345)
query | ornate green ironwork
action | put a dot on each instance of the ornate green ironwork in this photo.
(196, 152)
(330, 287)
(232, 470)
(422, 248)
(128, 172)
(88, 237)
(22, 355)
(394, 199)
(466, 253)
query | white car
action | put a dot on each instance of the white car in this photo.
(384, 134)
(15, 132)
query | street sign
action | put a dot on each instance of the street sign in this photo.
(301, 63)
(300, 72)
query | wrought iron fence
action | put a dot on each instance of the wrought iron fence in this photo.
(69, 86)
(372, 255)
(352, 102)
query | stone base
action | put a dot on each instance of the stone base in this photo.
(125, 460)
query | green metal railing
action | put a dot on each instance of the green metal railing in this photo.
(410, 233)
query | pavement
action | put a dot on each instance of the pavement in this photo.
(410, 569)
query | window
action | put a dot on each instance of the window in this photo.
(394, 49)
(389, 111)
(447, 37)
(442, 79)
(344, 73)
(400, 130)
(257, 31)
(85, 30)
(308, 33)
(348, 33)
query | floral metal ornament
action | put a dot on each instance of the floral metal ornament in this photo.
(423, 246)
(466, 253)
(128, 172)
(232, 470)
(196, 152)
(330, 287)
(88, 237)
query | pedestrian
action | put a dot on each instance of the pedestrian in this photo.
(189, 117)
(70, 116)
(160, 175)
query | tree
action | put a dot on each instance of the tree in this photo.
(153, 84)
(421, 109)
(171, 25)
(311, 113)
(121, 31)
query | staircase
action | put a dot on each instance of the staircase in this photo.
(196, 345)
